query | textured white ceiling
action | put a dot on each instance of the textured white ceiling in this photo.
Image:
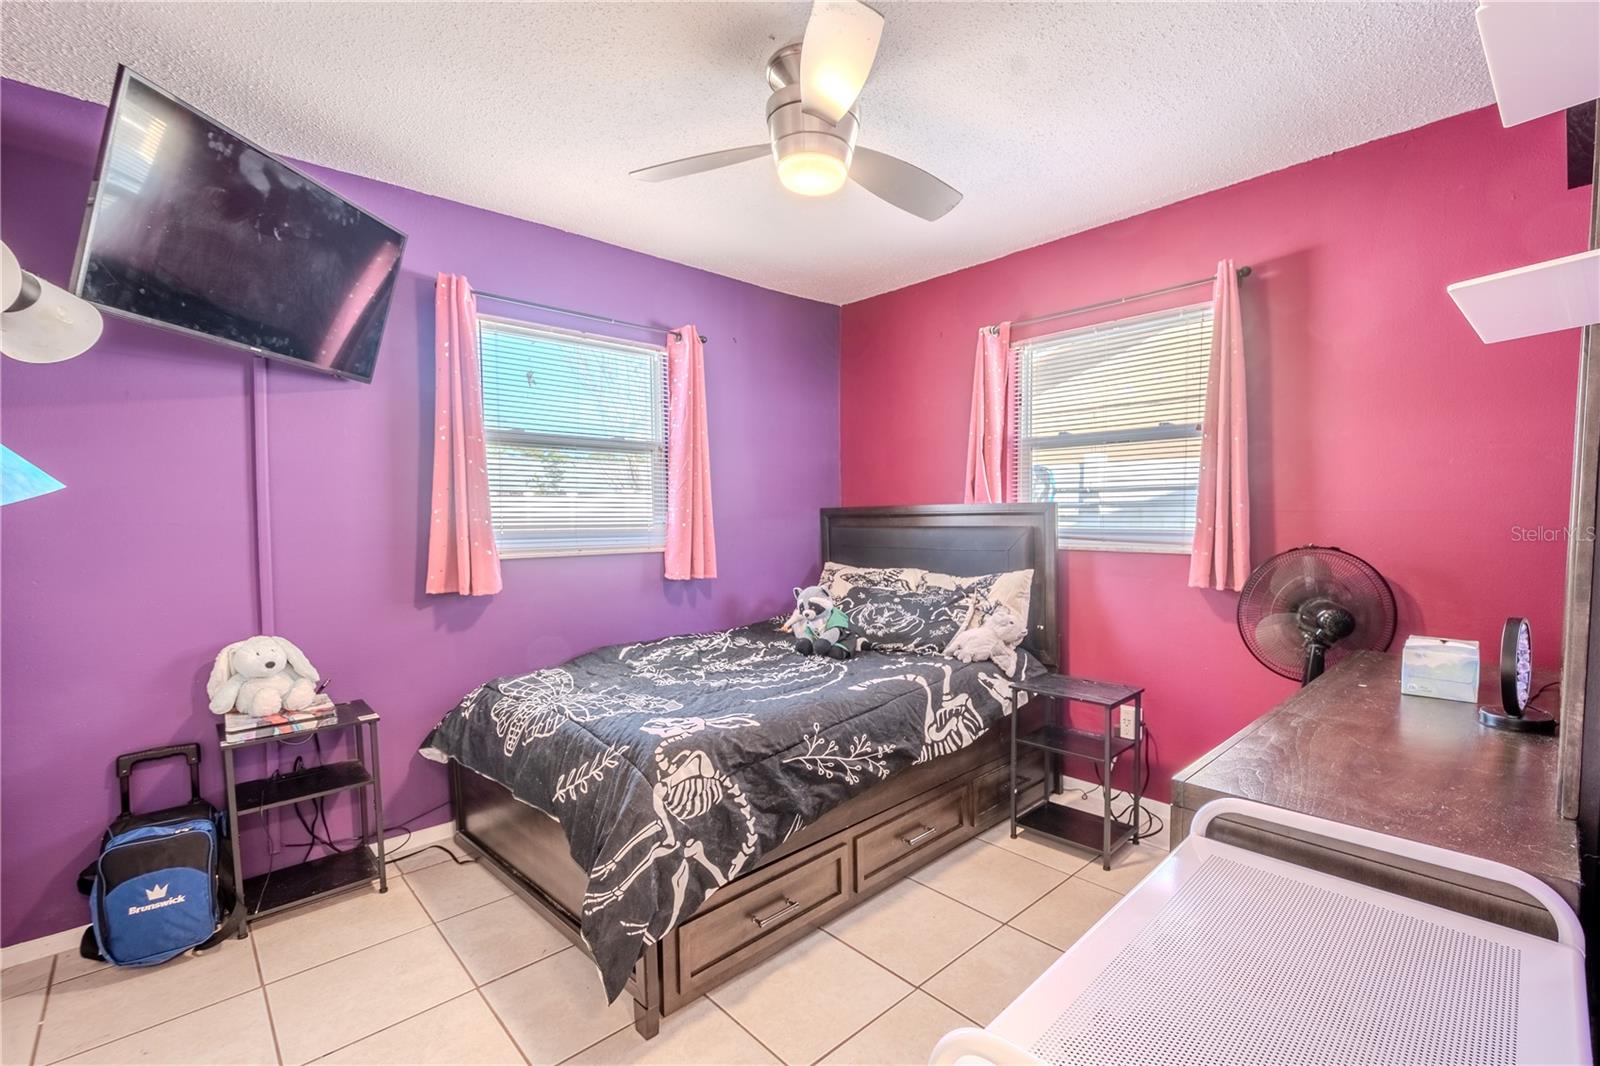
(1052, 118)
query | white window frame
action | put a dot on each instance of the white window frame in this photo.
(522, 545)
(1066, 538)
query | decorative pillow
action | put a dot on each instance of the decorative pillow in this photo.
(1013, 589)
(923, 621)
(840, 579)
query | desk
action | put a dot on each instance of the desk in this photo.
(1350, 748)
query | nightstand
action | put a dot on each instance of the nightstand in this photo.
(1103, 835)
(362, 862)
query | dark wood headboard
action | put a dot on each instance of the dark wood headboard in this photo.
(961, 539)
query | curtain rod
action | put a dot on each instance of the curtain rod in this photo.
(1244, 272)
(583, 314)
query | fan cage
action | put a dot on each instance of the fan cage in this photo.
(1372, 603)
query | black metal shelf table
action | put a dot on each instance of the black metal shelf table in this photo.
(291, 886)
(1104, 835)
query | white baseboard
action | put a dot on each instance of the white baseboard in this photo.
(28, 950)
(67, 939)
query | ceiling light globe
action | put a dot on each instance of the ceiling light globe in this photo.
(812, 173)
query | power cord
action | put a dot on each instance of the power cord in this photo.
(1542, 689)
(329, 841)
(1150, 823)
(458, 860)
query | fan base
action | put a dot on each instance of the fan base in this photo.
(1530, 722)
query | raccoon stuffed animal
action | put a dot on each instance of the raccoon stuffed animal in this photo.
(820, 628)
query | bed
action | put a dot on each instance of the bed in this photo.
(684, 808)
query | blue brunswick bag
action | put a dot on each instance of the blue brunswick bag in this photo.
(163, 882)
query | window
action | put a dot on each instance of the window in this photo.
(575, 429)
(1108, 428)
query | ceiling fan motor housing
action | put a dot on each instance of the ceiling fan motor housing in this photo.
(794, 132)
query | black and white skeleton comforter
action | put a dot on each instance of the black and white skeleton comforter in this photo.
(673, 765)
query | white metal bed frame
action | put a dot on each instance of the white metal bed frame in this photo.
(1225, 955)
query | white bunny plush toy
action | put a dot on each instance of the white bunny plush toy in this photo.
(262, 676)
(995, 639)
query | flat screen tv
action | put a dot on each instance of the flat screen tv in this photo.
(193, 227)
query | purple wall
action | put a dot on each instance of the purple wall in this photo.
(116, 593)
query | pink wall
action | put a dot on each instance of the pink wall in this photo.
(1380, 423)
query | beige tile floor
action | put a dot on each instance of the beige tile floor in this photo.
(448, 967)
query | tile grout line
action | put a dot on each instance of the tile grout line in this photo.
(469, 910)
(322, 1057)
(44, 1005)
(39, 1036)
(376, 943)
(913, 990)
(266, 1001)
(501, 1022)
(762, 1044)
(992, 918)
(1003, 925)
(863, 954)
(910, 992)
(524, 966)
(346, 955)
(591, 1047)
(958, 958)
(147, 1028)
(434, 923)
(476, 987)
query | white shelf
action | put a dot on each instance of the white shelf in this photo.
(1542, 298)
(1543, 55)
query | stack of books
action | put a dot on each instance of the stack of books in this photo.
(282, 722)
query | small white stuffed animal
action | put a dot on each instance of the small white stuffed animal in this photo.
(995, 639)
(261, 676)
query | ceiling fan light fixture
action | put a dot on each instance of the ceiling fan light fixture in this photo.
(812, 173)
(814, 139)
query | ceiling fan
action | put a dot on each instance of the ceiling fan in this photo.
(812, 119)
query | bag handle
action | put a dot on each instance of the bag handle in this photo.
(126, 763)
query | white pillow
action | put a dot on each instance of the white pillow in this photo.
(1014, 588)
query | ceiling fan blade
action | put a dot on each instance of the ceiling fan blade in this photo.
(836, 56)
(696, 164)
(907, 187)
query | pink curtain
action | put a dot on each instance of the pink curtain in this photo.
(1221, 558)
(461, 552)
(691, 540)
(992, 434)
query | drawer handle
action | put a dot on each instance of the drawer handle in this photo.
(762, 923)
(913, 841)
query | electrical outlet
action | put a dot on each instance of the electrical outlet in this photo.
(1127, 724)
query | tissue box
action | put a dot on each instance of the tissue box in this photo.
(1441, 668)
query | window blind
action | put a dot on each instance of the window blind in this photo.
(575, 430)
(1109, 425)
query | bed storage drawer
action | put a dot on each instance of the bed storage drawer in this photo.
(1033, 775)
(919, 829)
(779, 906)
